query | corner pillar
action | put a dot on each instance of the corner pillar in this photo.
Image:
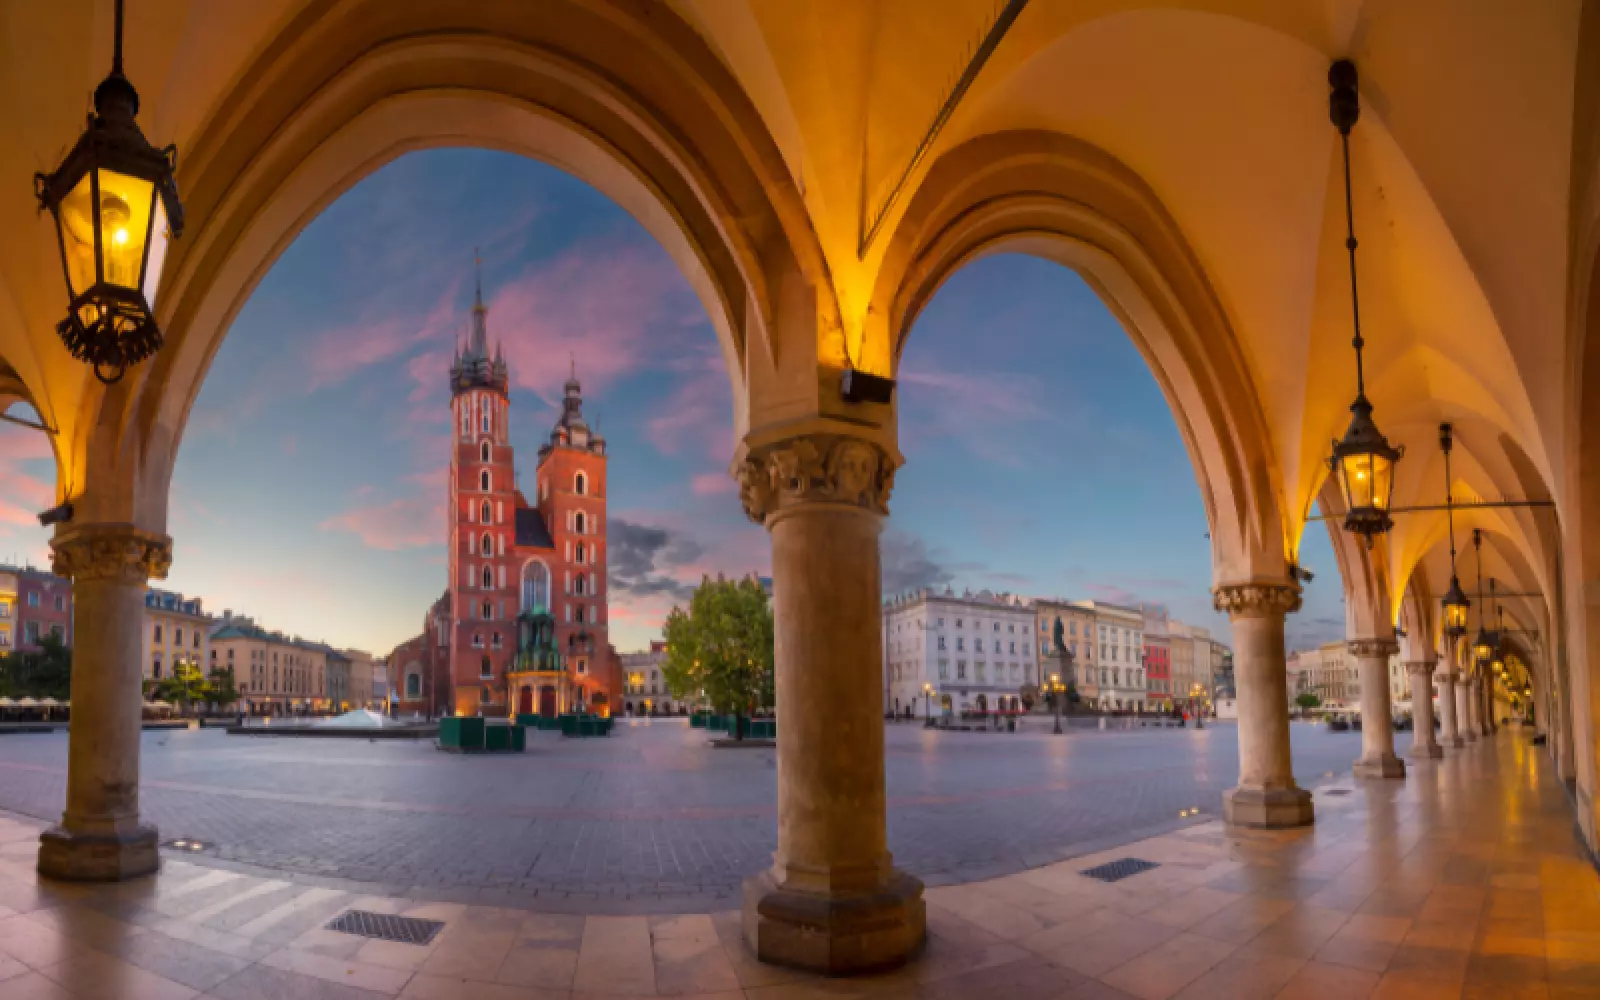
(1449, 729)
(832, 902)
(1424, 745)
(1266, 796)
(1377, 718)
(100, 837)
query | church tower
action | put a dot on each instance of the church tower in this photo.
(482, 512)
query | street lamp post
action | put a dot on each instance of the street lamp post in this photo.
(1055, 692)
(927, 705)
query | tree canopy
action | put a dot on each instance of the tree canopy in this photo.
(46, 673)
(1307, 700)
(721, 650)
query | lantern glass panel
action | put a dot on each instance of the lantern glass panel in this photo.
(75, 219)
(159, 235)
(1482, 650)
(125, 204)
(1455, 618)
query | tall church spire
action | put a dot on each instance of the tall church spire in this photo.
(473, 367)
(479, 345)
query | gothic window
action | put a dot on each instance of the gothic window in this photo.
(578, 613)
(466, 421)
(487, 610)
(580, 552)
(488, 578)
(484, 512)
(483, 480)
(494, 641)
(578, 584)
(577, 521)
(485, 669)
(535, 587)
(580, 484)
(488, 544)
(483, 451)
(486, 420)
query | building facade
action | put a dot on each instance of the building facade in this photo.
(177, 631)
(276, 674)
(1077, 630)
(974, 652)
(1157, 658)
(1327, 672)
(1119, 648)
(33, 604)
(644, 689)
(514, 566)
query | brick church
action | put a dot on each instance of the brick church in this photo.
(522, 626)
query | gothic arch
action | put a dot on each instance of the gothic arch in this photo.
(1063, 199)
(627, 97)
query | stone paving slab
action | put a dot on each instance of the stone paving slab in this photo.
(649, 821)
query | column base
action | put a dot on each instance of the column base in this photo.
(1268, 809)
(1454, 742)
(1469, 738)
(1426, 751)
(85, 857)
(1386, 766)
(834, 934)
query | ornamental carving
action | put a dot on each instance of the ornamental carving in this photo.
(1423, 667)
(1384, 648)
(1254, 600)
(820, 468)
(119, 553)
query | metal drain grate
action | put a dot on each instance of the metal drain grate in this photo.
(1113, 871)
(386, 926)
(1336, 791)
(184, 844)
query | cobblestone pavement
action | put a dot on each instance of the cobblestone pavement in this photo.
(652, 819)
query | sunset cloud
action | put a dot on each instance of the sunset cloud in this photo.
(404, 523)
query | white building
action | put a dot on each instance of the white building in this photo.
(974, 652)
(1119, 653)
(644, 690)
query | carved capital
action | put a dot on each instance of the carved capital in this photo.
(817, 468)
(1384, 648)
(1255, 600)
(119, 553)
(1423, 667)
(1448, 676)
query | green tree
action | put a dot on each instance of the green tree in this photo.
(1307, 700)
(46, 673)
(221, 689)
(184, 686)
(721, 649)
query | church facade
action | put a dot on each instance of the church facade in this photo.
(522, 626)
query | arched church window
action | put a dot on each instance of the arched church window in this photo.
(535, 587)
(483, 451)
(580, 484)
(484, 512)
(577, 613)
(488, 544)
(486, 420)
(578, 522)
(483, 480)
(413, 685)
(486, 669)
(466, 421)
(580, 552)
(578, 584)
(488, 578)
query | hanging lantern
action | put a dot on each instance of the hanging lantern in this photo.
(115, 205)
(1363, 460)
(1455, 602)
(1456, 607)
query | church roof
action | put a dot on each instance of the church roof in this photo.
(532, 533)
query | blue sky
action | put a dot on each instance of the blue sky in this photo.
(1040, 455)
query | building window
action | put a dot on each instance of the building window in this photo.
(577, 585)
(30, 632)
(941, 642)
(477, 640)
(959, 644)
(158, 632)
(578, 522)
(483, 451)
(177, 637)
(486, 420)
(580, 484)
(155, 667)
(485, 669)
(580, 553)
(961, 670)
(61, 603)
(33, 599)
(488, 544)
(578, 611)
(488, 611)
(494, 641)
(488, 578)
(484, 512)
(483, 480)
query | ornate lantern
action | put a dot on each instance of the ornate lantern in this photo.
(1485, 644)
(115, 204)
(1455, 602)
(1363, 460)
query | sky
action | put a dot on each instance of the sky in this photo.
(1041, 457)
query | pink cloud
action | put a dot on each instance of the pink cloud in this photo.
(967, 407)
(699, 410)
(405, 523)
(343, 350)
(712, 483)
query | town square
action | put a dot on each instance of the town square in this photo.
(799, 498)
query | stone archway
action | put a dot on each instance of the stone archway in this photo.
(1060, 198)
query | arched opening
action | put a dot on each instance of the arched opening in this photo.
(535, 586)
(580, 486)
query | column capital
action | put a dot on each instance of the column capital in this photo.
(1423, 667)
(825, 468)
(118, 553)
(1254, 600)
(1449, 676)
(1372, 647)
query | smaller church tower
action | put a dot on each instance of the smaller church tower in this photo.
(482, 513)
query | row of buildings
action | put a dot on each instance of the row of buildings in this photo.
(989, 652)
(1331, 674)
(275, 673)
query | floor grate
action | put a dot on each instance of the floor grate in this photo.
(386, 926)
(1336, 791)
(1113, 871)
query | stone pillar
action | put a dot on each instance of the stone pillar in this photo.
(1449, 730)
(1475, 708)
(1465, 723)
(1377, 719)
(832, 901)
(1424, 744)
(1266, 796)
(100, 838)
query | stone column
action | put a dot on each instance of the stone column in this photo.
(1377, 719)
(1266, 796)
(1424, 744)
(100, 837)
(832, 901)
(1449, 730)
(1465, 723)
(1475, 708)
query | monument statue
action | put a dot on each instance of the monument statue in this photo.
(1058, 638)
